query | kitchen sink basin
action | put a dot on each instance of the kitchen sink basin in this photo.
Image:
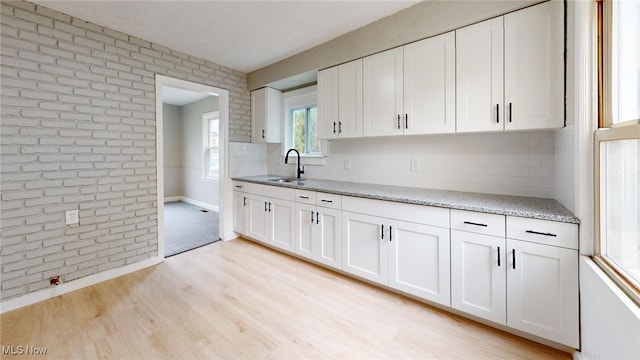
(286, 180)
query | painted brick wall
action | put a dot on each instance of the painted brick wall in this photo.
(78, 132)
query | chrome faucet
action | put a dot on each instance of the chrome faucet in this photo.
(286, 160)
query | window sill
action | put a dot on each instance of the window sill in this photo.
(210, 179)
(620, 280)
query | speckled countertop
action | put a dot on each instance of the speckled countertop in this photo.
(535, 208)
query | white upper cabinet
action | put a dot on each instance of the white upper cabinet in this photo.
(266, 115)
(383, 93)
(429, 86)
(340, 101)
(510, 71)
(479, 81)
(328, 103)
(534, 67)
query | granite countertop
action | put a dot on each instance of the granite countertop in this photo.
(528, 207)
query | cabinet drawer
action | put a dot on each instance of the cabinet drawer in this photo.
(480, 223)
(272, 191)
(543, 232)
(239, 186)
(306, 197)
(329, 200)
(427, 215)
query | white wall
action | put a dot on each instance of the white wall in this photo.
(247, 159)
(194, 186)
(512, 164)
(610, 320)
(172, 142)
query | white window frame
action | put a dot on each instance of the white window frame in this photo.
(296, 99)
(609, 130)
(206, 118)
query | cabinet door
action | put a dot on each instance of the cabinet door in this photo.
(259, 116)
(534, 67)
(350, 99)
(419, 261)
(328, 103)
(305, 228)
(282, 224)
(478, 279)
(364, 251)
(257, 227)
(240, 203)
(328, 237)
(429, 86)
(542, 288)
(265, 115)
(383, 97)
(479, 79)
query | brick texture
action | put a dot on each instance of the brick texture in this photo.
(78, 132)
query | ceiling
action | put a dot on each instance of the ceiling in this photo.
(242, 35)
(180, 97)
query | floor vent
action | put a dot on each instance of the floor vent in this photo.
(203, 210)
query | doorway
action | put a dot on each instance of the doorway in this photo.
(191, 137)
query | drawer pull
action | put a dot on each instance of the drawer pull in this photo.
(238, 186)
(476, 224)
(540, 233)
(327, 201)
(303, 197)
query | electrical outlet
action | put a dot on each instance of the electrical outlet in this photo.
(71, 217)
(415, 164)
(347, 163)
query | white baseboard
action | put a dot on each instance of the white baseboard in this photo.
(64, 288)
(201, 204)
(230, 236)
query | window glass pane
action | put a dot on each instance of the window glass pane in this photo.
(314, 143)
(299, 117)
(213, 161)
(620, 204)
(626, 60)
(214, 138)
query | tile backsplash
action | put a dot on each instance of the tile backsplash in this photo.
(521, 164)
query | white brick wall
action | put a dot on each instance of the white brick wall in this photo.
(78, 132)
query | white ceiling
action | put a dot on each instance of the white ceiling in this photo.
(242, 35)
(180, 97)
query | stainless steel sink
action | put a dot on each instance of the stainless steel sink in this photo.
(286, 180)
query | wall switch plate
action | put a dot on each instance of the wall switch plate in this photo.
(415, 164)
(347, 163)
(71, 217)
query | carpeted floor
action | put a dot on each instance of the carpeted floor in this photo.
(186, 227)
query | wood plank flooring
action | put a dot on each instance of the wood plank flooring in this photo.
(240, 300)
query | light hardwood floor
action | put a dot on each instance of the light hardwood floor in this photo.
(240, 300)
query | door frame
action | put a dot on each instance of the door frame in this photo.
(225, 188)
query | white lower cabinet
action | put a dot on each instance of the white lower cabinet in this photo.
(530, 284)
(478, 282)
(271, 221)
(410, 257)
(517, 272)
(364, 251)
(240, 212)
(419, 260)
(318, 235)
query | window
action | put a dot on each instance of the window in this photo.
(211, 141)
(301, 125)
(305, 130)
(618, 144)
